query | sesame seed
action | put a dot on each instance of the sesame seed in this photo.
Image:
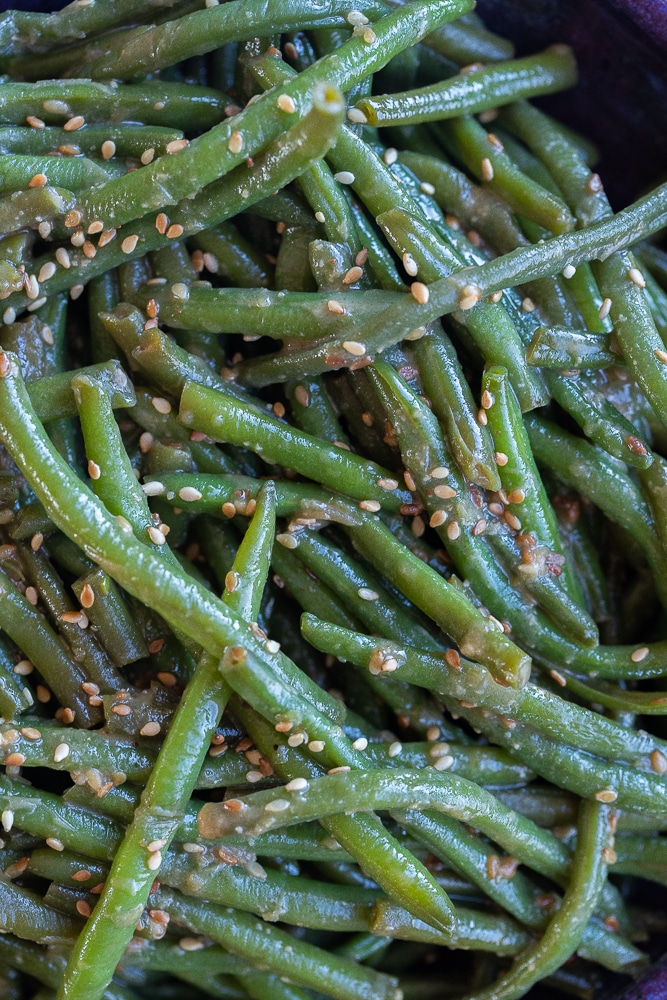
(83, 908)
(335, 307)
(639, 654)
(55, 844)
(30, 733)
(189, 943)
(369, 36)
(180, 290)
(558, 677)
(341, 769)
(357, 116)
(344, 177)
(513, 521)
(439, 750)
(501, 458)
(354, 347)
(189, 493)
(419, 292)
(89, 250)
(569, 271)
(60, 752)
(516, 496)
(9, 316)
(444, 492)
(154, 860)
(296, 739)
(46, 271)
(287, 541)
(470, 296)
(437, 518)
(276, 806)
(153, 489)
(35, 122)
(38, 181)
(355, 18)
(108, 149)
(75, 292)
(161, 404)
(387, 484)
(395, 749)
(229, 510)
(74, 123)
(609, 855)
(320, 217)
(38, 303)
(661, 355)
(486, 169)
(367, 595)
(82, 875)
(636, 277)
(129, 244)
(659, 762)
(174, 231)
(353, 275)
(410, 265)
(32, 287)
(528, 305)
(603, 311)
(453, 531)
(296, 785)
(31, 595)
(176, 145)
(232, 580)
(156, 536)
(390, 156)
(594, 184)
(121, 710)
(443, 763)
(315, 746)
(106, 237)
(286, 103)
(606, 795)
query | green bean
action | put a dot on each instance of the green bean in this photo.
(208, 157)
(71, 172)
(560, 940)
(187, 106)
(559, 347)
(15, 694)
(224, 418)
(29, 209)
(468, 39)
(479, 89)
(128, 140)
(24, 914)
(232, 256)
(110, 616)
(53, 397)
(313, 412)
(169, 787)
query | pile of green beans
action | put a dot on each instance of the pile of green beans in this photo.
(333, 513)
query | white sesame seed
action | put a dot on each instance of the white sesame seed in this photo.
(287, 541)
(603, 311)
(37, 304)
(443, 763)
(335, 307)
(296, 739)
(189, 494)
(606, 795)
(46, 271)
(355, 18)
(156, 536)
(470, 296)
(360, 744)
(35, 122)
(501, 458)
(453, 531)
(147, 156)
(176, 145)
(286, 103)
(7, 819)
(296, 785)
(108, 149)
(75, 292)
(528, 305)
(639, 654)
(180, 291)
(9, 316)
(661, 355)
(32, 287)
(369, 36)
(276, 806)
(357, 116)
(74, 123)
(344, 177)
(440, 472)
(410, 265)
(416, 334)
(150, 729)
(420, 292)
(94, 470)
(439, 749)
(154, 860)
(153, 489)
(320, 216)
(395, 749)
(371, 505)
(354, 347)
(444, 492)
(427, 188)
(129, 243)
(161, 404)
(486, 169)
(60, 752)
(367, 595)
(390, 156)
(569, 271)
(636, 277)
(437, 518)
(315, 746)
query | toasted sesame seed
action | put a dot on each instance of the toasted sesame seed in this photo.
(121, 710)
(603, 311)
(106, 237)
(108, 149)
(420, 292)
(34, 122)
(558, 677)
(344, 177)
(161, 404)
(174, 231)
(31, 595)
(639, 654)
(353, 275)
(636, 277)
(74, 123)
(659, 762)
(154, 860)
(661, 355)
(437, 518)
(30, 733)
(55, 844)
(286, 103)
(513, 521)
(516, 496)
(156, 536)
(453, 531)
(357, 116)
(335, 307)
(444, 492)
(528, 305)
(129, 244)
(470, 296)
(486, 169)
(606, 795)
(501, 458)
(368, 36)
(38, 181)
(229, 510)
(354, 347)
(60, 752)
(89, 250)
